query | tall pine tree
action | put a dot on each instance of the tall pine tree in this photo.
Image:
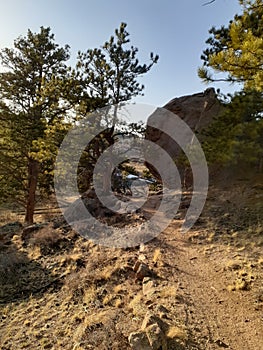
(109, 76)
(31, 88)
(237, 52)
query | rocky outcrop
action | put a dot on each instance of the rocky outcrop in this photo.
(197, 111)
(151, 336)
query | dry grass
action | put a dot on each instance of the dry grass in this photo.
(169, 291)
(89, 295)
(7, 216)
(175, 332)
(135, 305)
(245, 277)
(10, 261)
(47, 239)
(234, 265)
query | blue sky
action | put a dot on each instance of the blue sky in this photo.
(174, 29)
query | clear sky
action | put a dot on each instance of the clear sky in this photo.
(174, 29)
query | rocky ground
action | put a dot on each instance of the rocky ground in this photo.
(199, 290)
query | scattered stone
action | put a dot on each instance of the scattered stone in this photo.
(142, 257)
(156, 337)
(139, 341)
(148, 286)
(220, 343)
(150, 319)
(136, 266)
(151, 336)
(162, 309)
(142, 247)
(234, 266)
(142, 270)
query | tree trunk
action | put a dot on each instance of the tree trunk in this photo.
(33, 169)
(109, 136)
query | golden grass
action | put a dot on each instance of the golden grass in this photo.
(157, 255)
(90, 294)
(169, 292)
(135, 305)
(175, 332)
(7, 216)
(119, 288)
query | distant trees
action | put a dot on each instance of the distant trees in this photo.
(237, 51)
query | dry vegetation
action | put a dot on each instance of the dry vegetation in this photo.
(60, 291)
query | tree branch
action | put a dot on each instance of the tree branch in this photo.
(208, 3)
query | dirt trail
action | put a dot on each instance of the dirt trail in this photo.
(194, 276)
(215, 317)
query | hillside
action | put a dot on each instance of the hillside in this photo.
(200, 290)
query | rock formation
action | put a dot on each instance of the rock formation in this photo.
(197, 111)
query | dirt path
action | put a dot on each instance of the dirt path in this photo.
(216, 317)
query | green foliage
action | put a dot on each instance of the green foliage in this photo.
(109, 75)
(237, 49)
(236, 135)
(41, 98)
(32, 91)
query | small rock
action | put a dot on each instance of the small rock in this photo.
(150, 319)
(148, 286)
(156, 337)
(162, 309)
(142, 270)
(136, 266)
(142, 247)
(139, 341)
(220, 343)
(142, 257)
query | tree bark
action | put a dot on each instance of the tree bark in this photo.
(33, 170)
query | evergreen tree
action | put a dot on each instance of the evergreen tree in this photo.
(237, 49)
(32, 86)
(109, 76)
(236, 134)
(110, 73)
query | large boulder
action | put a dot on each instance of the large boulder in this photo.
(197, 111)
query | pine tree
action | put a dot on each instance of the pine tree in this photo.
(31, 94)
(237, 49)
(109, 76)
(236, 135)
